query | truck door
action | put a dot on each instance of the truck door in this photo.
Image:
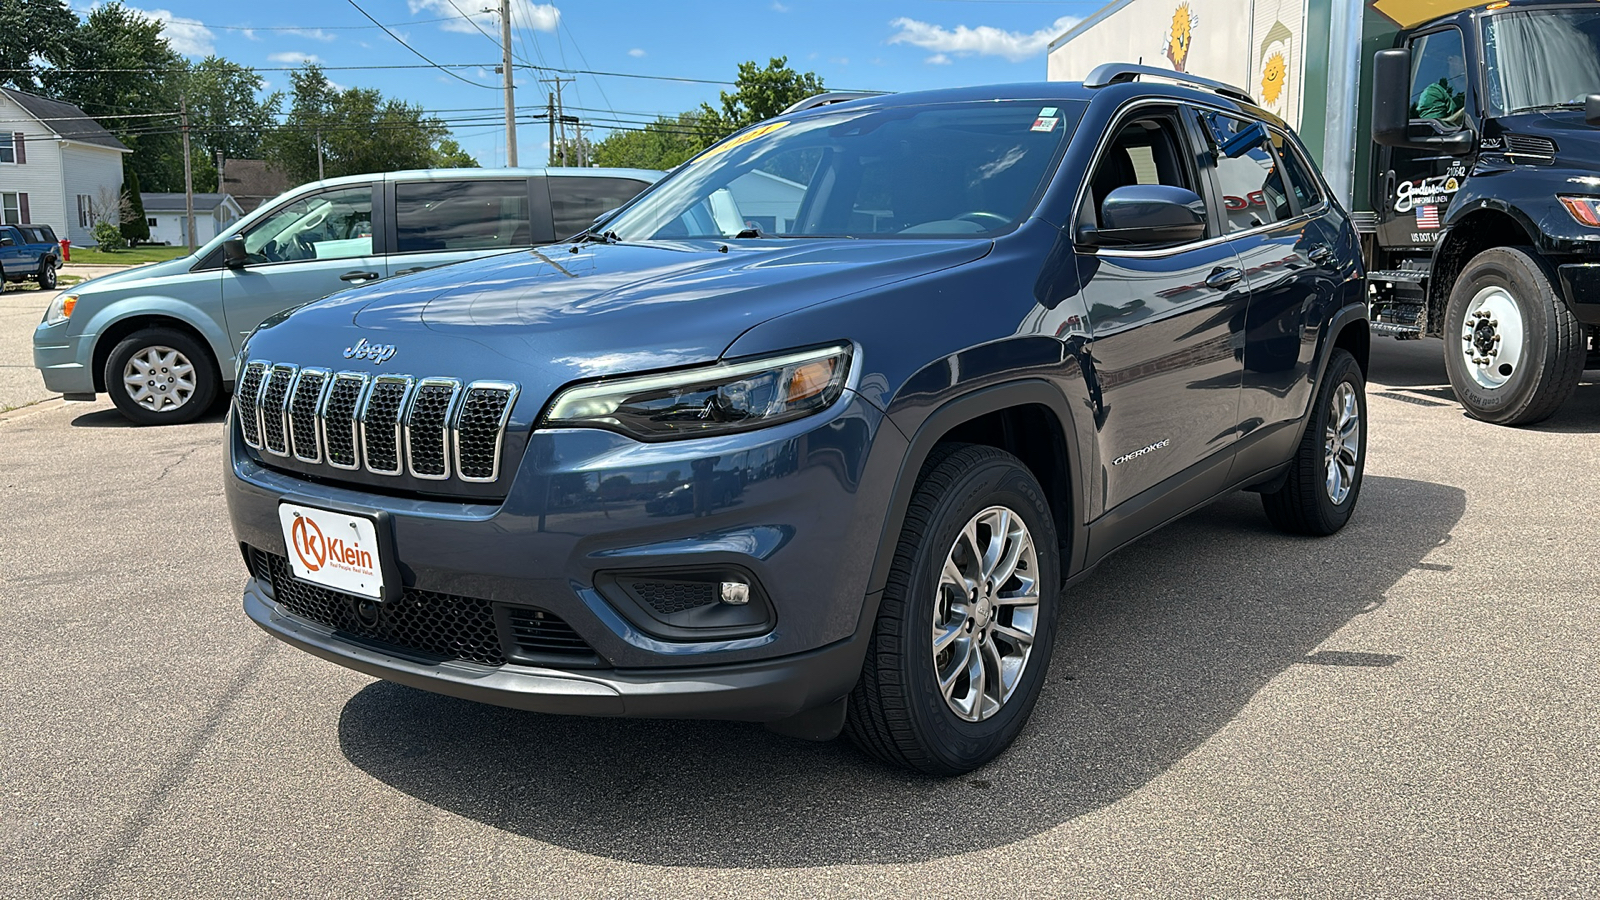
(1417, 184)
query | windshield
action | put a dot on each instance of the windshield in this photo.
(1541, 59)
(948, 169)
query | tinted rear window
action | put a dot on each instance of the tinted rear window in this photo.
(461, 215)
(576, 201)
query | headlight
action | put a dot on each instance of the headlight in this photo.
(720, 399)
(1585, 209)
(60, 309)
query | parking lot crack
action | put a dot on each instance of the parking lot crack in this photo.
(177, 462)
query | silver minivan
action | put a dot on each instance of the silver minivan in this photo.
(163, 339)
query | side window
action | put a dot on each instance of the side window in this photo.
(1144, 151)
(461, 215)
(334, 224)
(1439, 78)
(1247, 171)
(576, 200)
(1301, 177)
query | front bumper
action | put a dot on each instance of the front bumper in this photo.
(757, 692)
(63, 360)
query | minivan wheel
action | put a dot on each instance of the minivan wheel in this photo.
(47, 276)
(161, 376)
(964, 630)
(1513, 350)
(1325, 475)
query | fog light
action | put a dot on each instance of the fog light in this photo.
(735, 593)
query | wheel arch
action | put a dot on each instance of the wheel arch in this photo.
(1485, 227)
(1029, 419)
(116, 331)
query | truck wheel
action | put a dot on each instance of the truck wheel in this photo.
(161, 376)
(1325, 475)
(965, 627)
(1513, 350)
(47, 276)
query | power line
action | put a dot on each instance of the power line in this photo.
(318, 28)
(415, 50)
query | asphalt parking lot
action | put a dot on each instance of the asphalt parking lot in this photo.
(1406, 709)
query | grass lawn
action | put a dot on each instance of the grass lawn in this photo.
(89, 256)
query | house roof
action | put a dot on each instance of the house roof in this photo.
(253, 181)
(65, 119)
(159, 202)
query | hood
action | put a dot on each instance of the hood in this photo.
(1578, 141)
(550, 316)
(179, 266)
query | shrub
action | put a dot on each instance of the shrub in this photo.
(108, 236)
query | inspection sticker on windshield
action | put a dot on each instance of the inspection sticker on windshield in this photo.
(332, 549)
(747, 137)
(1048, 119)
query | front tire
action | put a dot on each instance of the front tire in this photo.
(1513, 349)
(161, 376)
(1325, 475)
(964, 631)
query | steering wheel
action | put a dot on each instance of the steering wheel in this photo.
(987, 220)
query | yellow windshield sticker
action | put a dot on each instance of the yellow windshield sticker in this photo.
(747, 137)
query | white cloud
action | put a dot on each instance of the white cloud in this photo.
(636, 53)
(938, 59)
(316, 34)
(984, 40)
(839, 60)
(779, 7)
(187, 36)
(294, 58)
(524, 14)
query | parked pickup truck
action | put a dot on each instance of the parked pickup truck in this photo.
(29, 251)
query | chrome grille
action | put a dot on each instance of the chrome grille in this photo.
(428, 428)
(245, 398)
(274, 395)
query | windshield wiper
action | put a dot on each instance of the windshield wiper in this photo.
(590, 235)
(1570, 104)
(753, 231)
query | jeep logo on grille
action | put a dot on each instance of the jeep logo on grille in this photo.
(378, 353)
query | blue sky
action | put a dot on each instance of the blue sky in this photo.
(890, 45)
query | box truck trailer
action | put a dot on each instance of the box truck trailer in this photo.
(1464, 139)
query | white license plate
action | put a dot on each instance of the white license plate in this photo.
(332, 549)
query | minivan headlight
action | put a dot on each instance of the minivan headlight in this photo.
(721, 399)
(60, 309)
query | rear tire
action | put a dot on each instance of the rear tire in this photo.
(47, 276)
(1513, 349)
(926, 699)
(1324, 478)
(161, 376)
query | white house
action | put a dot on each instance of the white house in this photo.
(167, 217)
(767, 200)
(57, 165)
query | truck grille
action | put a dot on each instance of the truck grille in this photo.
(431, 428)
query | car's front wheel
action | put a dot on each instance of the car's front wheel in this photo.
(161, 376)
(967, 620)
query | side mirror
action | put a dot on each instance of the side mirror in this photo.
(1591, 110)
(1146, 214)
(1392, 125)
(233, 252)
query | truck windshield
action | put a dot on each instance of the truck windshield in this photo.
(1541, 59)
(959, 169)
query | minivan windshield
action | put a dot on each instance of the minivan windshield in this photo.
(1541, 59)
(956, 169)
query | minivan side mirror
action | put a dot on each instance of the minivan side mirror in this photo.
(233, 253)
(1147, 214)
(1392, 125)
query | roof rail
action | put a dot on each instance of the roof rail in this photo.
(1123, 73)
(829, 97)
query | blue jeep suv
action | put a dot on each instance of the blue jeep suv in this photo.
(820, 429)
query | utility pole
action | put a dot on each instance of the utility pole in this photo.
(558, 110)
(220, 189)
(578, 143)
(188, 173)
(319, 151)
(511, 115)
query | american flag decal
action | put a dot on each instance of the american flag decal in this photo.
(1428, 217)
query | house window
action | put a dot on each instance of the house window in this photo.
(85, 211)
(8, 148)
(11, 208)
(152, 222)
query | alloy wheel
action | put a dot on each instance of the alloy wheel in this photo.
(1342, 446)
(159, 379)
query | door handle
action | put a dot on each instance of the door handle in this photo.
(1321, 254)
(1222, 278)
(358, 276)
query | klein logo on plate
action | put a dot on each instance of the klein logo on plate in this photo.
(332, 549)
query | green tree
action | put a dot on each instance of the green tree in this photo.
(227, 113)
(356, 130)
(30, 31)
(135, 226)
(661, 144)
(449, 155)
(759, 94)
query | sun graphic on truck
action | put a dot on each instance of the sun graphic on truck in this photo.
(1272, 75)
(1181, 36)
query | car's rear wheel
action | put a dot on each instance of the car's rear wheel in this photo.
(47, 276)
(161, 376)
(1324, 479)
(964, 630)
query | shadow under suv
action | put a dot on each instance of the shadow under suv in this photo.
(819, 429)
